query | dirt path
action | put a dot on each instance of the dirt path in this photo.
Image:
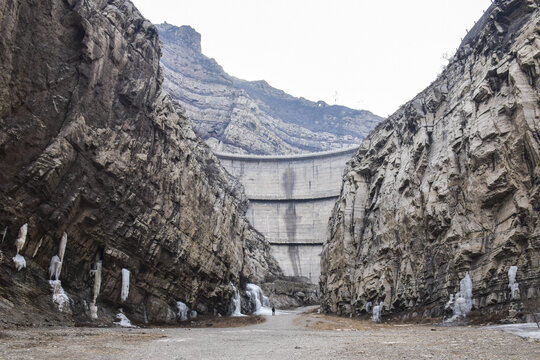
(290, 336)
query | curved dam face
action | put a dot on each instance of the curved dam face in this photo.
(291, 199)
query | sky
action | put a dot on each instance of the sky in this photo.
(373, 55)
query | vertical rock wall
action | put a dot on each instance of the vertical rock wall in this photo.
(448, 185)
(90, 145)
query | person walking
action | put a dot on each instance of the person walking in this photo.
(273, 310)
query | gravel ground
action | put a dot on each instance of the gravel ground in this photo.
(288, 336)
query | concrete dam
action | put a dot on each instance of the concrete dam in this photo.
(290, 201)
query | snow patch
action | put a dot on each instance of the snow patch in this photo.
(123, 321)
(125, 284)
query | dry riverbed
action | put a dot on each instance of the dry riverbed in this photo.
(288, 336)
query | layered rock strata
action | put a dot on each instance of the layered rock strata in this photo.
(91, 145)
(449, 185)
(237, 116)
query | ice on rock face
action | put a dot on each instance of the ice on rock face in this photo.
(512, 284)
(377, 312)
(369, 307)
(19, 261)
(125, 284)
(59, 297)
(123, 321)
(193, 314)
(21, 238)
(450, 302)
(93, 311)
(235, 307)
(55, 267)
(256, 297)
(462, 301)
(97, 286)
(183, 310)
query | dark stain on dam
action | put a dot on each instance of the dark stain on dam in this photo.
(291, 220)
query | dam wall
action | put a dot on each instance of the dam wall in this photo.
(290, 201)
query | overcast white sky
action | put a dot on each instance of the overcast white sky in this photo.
(373, 55)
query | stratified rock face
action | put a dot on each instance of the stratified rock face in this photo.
(91, 145)
(448, 185)
(238, 116)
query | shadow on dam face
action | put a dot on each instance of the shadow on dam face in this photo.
(291, 220)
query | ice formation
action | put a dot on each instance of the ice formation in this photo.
(369, 307)
(193, 314)
(54, 268)
(123, 321)
(125, 284)
(256, 297)
(59, 297)
(235, 307)
(377, 312)
(183, 310)
(97, 286)
(512, 284)
(1, 256)
(4, 234)
(62, 249)
(21, 239)
(19, 261)
(462, 303)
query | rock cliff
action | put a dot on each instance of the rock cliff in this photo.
(238, 116)
(91, 145)
(448, 185)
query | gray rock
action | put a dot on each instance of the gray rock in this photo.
(92, 146)
(448, 185)
(238, 116)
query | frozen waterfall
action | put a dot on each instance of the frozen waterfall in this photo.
(235, 307)
(183, 310)
(59, 297)
(376, 316)
(260, 302)
(462, 303)
(123, 321)
(512, 284)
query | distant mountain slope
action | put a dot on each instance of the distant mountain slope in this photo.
(240, 116)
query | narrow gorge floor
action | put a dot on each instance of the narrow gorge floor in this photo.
(293, 335)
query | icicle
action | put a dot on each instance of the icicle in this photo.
(377, 312)
(54, 267)
(125, 284)
(21, 239)
(59, 297)
(1, 256)
(37, 247)
(462, 301)
(62, 248)
(4, 234)
(19, 261)
(183, 310)
(235, 307)
(512, 284)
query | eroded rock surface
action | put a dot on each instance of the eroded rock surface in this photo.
(92, 146)
(251, 117)
(448, 185)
